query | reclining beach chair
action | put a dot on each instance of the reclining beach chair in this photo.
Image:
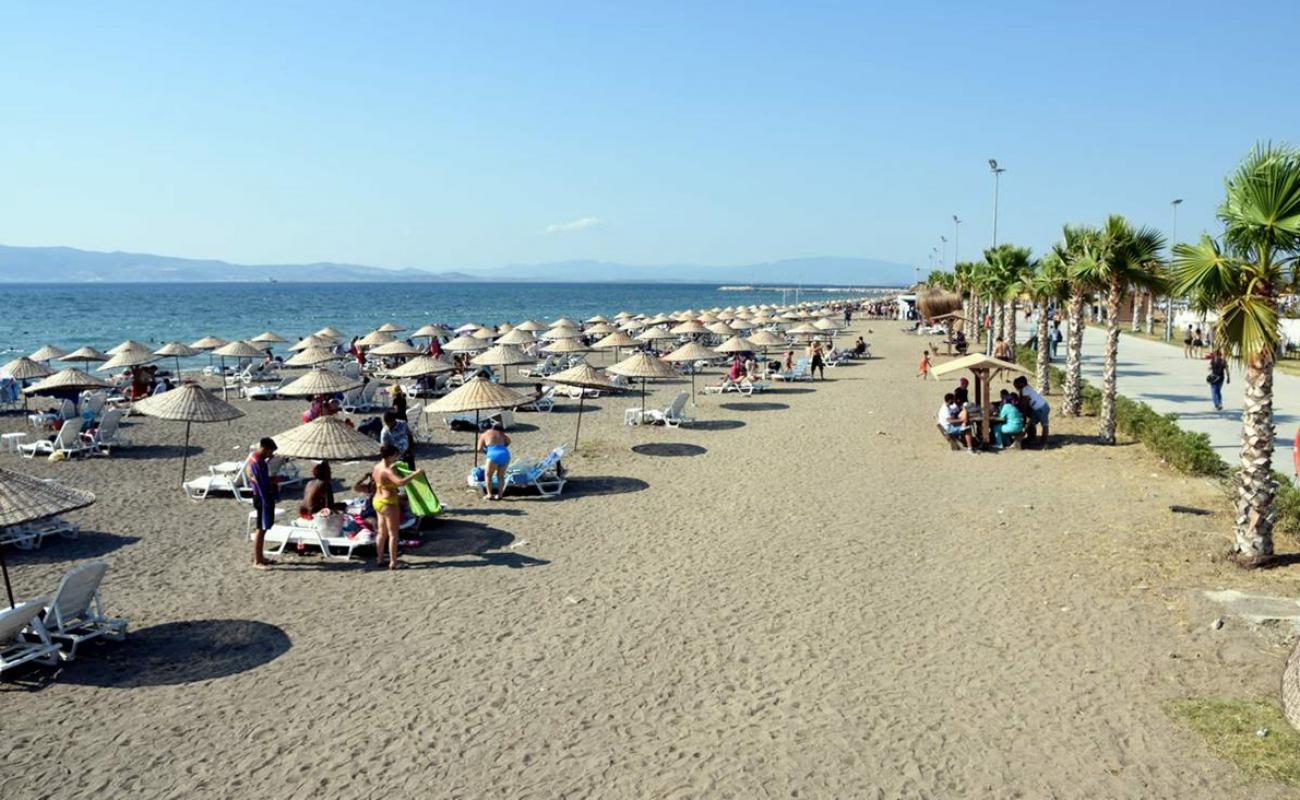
(672, 416)
(546, 476)
(15, 649)
(67, 441)
(544, 403)
(30, 535)
(333, 545)
(76, 613)
(107, 435)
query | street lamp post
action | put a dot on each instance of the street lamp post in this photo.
(956, 238)
(944, 259)
(997, 173)
(1169, 299)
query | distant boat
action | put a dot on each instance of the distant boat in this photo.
(272, 280)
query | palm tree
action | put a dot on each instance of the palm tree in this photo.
(1050, 283)
(1077, 243)
(1126, 259)
(964, 272)
(1008, 266)
(1241, 278)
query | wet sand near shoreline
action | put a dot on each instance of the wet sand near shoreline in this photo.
(807, 594)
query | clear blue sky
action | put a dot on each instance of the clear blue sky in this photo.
(442, 136)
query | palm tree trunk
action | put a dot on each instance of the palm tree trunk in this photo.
(1151, 315)
(1137, 312)
(1254, 484)
(1042, 372)
(1072, 404)
(1013, 306)
(1107, 433)
(1000, 319)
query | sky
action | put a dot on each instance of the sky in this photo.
(473, 135)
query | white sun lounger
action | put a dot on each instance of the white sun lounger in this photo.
(15, 649)
(673, 415)
(76, 613)
(67, 441)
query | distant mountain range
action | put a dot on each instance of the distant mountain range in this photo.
(67, 264)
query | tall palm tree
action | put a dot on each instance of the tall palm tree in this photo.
(1126, 259)
(1008, 267)
(964, 272)
(1049, 284)
(1077, 243)
(1241, 278)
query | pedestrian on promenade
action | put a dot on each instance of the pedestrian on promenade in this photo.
(1217, 378)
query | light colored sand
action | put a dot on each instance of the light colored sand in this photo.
(824, 603)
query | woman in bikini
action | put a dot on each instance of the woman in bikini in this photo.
(388, 506)
(495, 446)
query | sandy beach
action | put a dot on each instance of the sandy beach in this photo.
(807, 594)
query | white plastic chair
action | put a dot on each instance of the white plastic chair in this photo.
(76, 612)
(15, 649)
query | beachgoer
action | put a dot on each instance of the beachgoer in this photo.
(398, 434)
(1001, 350)
(388, 505)
(435, 347)
(787, 364)
(959, 342)
(1010, 422)
(1187, 342)
(399, 402)
(950, 421)
(318, 494)
(962, 392)
(1038, 411)
(265, 493)
(1198, 344)
(1218, 376)
(495, 446)
(818, 362)
(1055, 338)
(923, 371)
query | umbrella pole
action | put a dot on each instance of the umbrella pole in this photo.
(224, 386)
(4, 569)
(475, 445)
(643, 397)
(582, 397)
(185, 454)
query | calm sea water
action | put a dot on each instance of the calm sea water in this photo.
(101, 315)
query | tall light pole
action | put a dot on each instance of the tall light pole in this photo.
(956, 238)
(944, 259)
(1169, 299)
(997, 172)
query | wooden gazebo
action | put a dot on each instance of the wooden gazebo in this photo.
(984, 368)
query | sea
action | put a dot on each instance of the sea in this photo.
(102, 315)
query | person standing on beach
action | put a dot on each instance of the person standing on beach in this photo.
(818, 362)
(1217, 378)
(399, 402)
(388, 506)
(396, 433)
(923, 371)
(265, 493)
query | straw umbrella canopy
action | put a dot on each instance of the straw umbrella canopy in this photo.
(178, 351)
(599, 329)
(691, 351)
(85, 355)
(505, 328)
(24, 498)
(659, 320)
(689, 327)
(584, 376)
(268, 337)
(376, 338)
(596, 319)
(825, 324)
(623, 315)
(326, 438)
(188, 403)
(396, 348)
(517, 337)
(739, 324)
(564, 322)
(311, 357)
(504, 356)
(643, 366)
(420, 366)
(655, 334)
(560, 332)
(632, 324)
(429, 331)
(67, 380)
(560, 346)
(307, 342)
(318, 382)
(468, 327)
(721, 329)
(765, 339)
(235, 349)
(129, 344)
(209, 343)
(128, 358)
(532, 326)
(477, 395)
(389, 327)
(484, 333)
(25, 369)
(615, 341)
(736, 344)
(804, 330)
(465, 344)
(48, 353)
(330, 332)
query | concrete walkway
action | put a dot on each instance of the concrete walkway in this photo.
(1157, 374)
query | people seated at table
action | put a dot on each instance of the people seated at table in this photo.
(954, 422)
(1010, 421)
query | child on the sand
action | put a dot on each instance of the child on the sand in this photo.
(925, 365)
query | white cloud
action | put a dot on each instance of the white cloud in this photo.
(579, 224)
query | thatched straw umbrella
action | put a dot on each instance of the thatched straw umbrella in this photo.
(389, 327)
(85, 355)
(268, 337)
(376, 338)
(129, 344)
(504, 356)
(485, 333)
(48, 353)
(935, 301)
(67, 380)
(317, 382)
(736, 344)
(643, 366)
(23, 369)
(306, 342)
(691, 351)
(326, 438)
(238, 350)
(562, 346)
(419, 367)
(532, 326)
(517, 337)
(429, 331)
(465, 344)
(477, 395)
(397, 348)
(188, 403)
(209, 343)
(178, 351)
(559, 332)
(311, 357)
(615, 341)
(583, 376)
(689, 328)
(24, 498)
(330, 332)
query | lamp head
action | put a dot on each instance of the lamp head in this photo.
(993, 164)
(1177, 202)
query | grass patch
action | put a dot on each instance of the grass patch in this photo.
(1229, 729)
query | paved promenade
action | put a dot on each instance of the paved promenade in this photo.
(1159, 375)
